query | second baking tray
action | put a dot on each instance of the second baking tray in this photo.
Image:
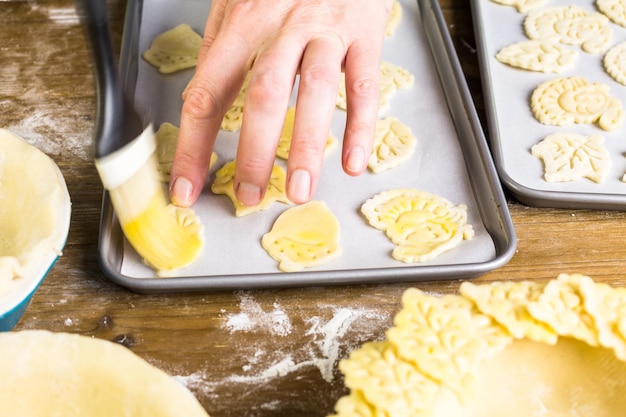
(513, 130)
(452, 161)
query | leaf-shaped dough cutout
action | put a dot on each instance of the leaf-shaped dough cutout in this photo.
(223, 184)
(569, 157)
(421, 224)
(234, 116)
(571, 25)
(537, 55)
(394, 143)
(284, 143)
(614, 10)
(304, 236)
(565, 101)
(392, 78)
(522, 6)
(174, 50)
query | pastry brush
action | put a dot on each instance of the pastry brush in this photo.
(125, 157)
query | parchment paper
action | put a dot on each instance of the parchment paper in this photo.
(233, 243)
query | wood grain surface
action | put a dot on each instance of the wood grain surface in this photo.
(245, 353)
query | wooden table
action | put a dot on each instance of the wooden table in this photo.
(246, 353)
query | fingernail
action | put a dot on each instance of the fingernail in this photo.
(299, 187)
(180, 192)
(248, 194)
(356, 160)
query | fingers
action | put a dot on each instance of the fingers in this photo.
(319, 77)
(362, 90)
(267, 98)
(206, 100)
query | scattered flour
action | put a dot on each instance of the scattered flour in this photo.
(252, 317)
(328, 342)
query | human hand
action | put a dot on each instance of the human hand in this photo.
(275, 40)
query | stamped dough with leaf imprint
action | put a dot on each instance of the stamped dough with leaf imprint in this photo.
(522, 6)
(475, 354)
(223, 184)
(234, 116)
(394, 143)
(537, 55)
(570, 157)
(571, 25)
(615, 62)
(284, 143)
(304, 236)
(167, 138)
(392, 78)
(421, 224)
(614, 10)
(174, 50)
(565, 101)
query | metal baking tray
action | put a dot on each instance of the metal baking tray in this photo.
(513, 130)
(452, 160)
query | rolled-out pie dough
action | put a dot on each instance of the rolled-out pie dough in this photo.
(34, 211)
(46, 374)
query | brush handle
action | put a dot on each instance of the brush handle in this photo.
(117, 122)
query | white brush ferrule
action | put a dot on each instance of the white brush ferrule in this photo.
(120, 166)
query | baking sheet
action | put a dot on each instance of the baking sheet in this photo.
(454, 166)
(514, 130)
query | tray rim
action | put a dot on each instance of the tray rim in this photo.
(527, 195)
(500, 229)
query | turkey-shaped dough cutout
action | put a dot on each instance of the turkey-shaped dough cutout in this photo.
(234, 116)
(421, 224)
(223, 184)
(174, 50)
(538, 56)
(522, 6)
(565, 101)
(570, 157)
(284, 144)
(394, 144)
(167, 138)
(571, 25)
(615, 62)
(474, 354)
(392, 78)
(614, 10)
(304, 236)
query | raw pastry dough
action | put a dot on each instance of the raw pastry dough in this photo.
(394, 144)
(34, 212)
(223, 184)
(392, 78)
(395, 17)
(569, 157)
(60, 374)
(522, 6)
(234, 116)
(174, 50)
(304, 236)
(167, 138)
(614, 10)
(502, 349)
(571, 25)
(421, 224)
(284, 144)
(615, 62)
(538, 55)
(565, 101)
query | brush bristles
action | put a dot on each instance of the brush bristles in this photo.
(165, 236)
